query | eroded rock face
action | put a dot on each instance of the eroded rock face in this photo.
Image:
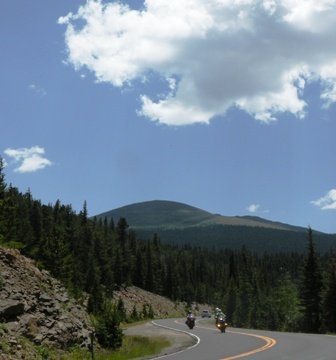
(35, 305)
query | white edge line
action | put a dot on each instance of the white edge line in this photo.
(198, 340)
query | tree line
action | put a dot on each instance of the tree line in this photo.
(277, 291)
(260, 239)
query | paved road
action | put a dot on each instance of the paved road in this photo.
(211, 344)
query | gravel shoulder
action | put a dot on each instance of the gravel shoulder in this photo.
(179, 341)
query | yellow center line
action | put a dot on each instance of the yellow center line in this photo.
(270, 342)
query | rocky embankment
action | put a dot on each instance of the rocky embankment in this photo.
(162, 307)
(36, 311)
(35, 307)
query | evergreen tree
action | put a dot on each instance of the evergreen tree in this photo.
(329, 298)
(32, 249)
(287, 302)
(125, 255)
(111, 224)
(232, 267)
(170, 281)
(108, 331)
(138, 277)
(230, 300)
(311, 289)
(150, 311)
(118, 274)
(134, 314)
(121, 310)
(93, 287)
(149, 283)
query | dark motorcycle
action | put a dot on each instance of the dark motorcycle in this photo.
(190, 322)
(221, 324)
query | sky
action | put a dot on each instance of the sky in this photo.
(225, 105)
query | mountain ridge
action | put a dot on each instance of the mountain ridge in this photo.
(179, 223)
(165, 214)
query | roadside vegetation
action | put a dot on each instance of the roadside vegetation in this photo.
(132, 347)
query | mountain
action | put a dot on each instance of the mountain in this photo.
(168, 215)
(180, 223)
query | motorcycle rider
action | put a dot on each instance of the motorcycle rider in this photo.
(217, 310)
(219, 314)
(190, 322)
(190, 317)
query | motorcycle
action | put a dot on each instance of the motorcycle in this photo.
(221, 324)
(190, 322)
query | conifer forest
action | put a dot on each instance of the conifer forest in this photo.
(275, 291)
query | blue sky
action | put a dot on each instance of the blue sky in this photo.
(228, 106)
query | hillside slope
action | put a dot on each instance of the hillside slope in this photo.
(162, 214)
(178, 223)
(134, 296)
(36, 310)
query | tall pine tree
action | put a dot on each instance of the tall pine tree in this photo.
(311, 289)
(329, 298)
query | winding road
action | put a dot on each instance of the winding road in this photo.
(211, 344)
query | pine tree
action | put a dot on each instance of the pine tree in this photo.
(138, 274)
(329, 298)
(134, 314)
(311, 289)
(93, 287)
(149, 282)
(121, 310)
(288, 304)
(125, 255)
(14, 217)
(230, 300)
(170, 282)
(108, 331)
(33, 248)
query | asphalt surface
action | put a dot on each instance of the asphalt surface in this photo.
(210, 344)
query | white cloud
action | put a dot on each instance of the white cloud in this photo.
(253, 208)
(327, 202)
(256, 55)
(28, 159)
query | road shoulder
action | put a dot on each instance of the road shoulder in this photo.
(179, 340)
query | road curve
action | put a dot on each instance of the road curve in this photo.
(210, 344)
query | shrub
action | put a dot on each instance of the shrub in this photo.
(108, 331)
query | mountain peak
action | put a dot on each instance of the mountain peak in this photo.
(179, 223)
(159, 213)
(165, 214)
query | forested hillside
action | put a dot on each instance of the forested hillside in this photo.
(283, 291)
(178, 223)
(255, 239)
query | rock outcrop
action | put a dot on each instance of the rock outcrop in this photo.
(162, 307)
(36, 306)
